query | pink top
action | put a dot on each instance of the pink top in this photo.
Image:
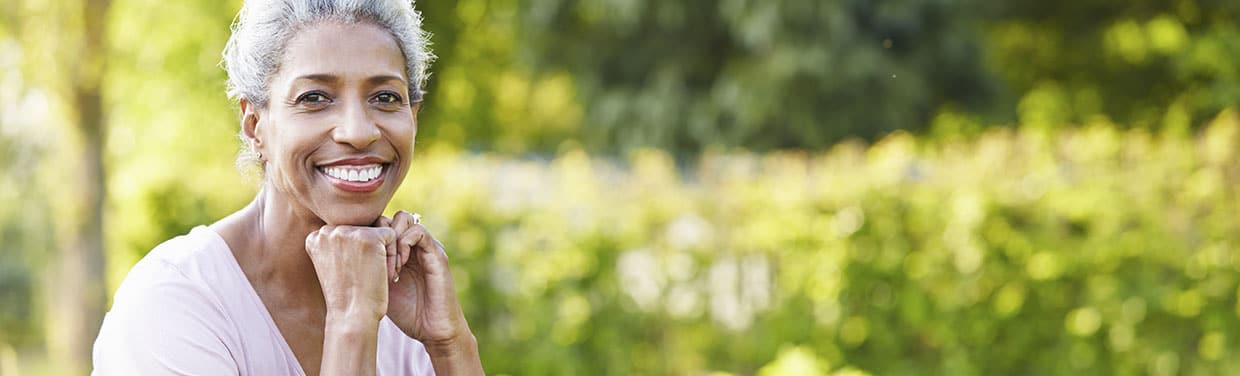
(187, 309)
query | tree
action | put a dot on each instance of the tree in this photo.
(684, 75)
(1145, 63)
(79, 295)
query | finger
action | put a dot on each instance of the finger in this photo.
(405, 252)
(442, 250)
(392, 257)
(399, 225)
(387, 248)
(386, 235)
(425, 242)
(430, 251)
(324, 235)
(401, 222)
(312, 240)
(390, 268)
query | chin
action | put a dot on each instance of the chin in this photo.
(351, 216)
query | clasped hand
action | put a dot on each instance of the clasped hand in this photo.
(394, 268)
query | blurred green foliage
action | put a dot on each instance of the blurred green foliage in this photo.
(650, 187)
(1146, 63)
(764, 75)
(684, 75)
(24, 223)
(1091, 251)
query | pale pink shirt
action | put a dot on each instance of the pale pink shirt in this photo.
(187, 309)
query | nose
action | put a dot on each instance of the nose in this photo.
(356, 128)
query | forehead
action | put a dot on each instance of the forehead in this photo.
(349, 51)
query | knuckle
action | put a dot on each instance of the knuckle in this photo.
(386, 233)
(376, 235)
(419, 228)
(336, 234)
(415, 234)
(355, 236)
(402, 220)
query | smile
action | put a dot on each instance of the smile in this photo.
(355, 177)
(353, 173)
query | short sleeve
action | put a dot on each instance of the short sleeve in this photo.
(162, 323)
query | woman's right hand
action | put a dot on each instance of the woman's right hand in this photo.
(350, 262)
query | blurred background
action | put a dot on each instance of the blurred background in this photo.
(699, 187)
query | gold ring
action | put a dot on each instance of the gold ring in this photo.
(417, 219)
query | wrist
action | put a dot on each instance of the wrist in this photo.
(350, 344)
(465, 345)
(346, 322)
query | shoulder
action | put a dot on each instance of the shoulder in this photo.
(165, 313)
(178, 271)
(194, 256)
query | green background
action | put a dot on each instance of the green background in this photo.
(774, 187)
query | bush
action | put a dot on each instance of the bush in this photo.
(1095, 251)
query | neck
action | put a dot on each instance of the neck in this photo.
(268, 239)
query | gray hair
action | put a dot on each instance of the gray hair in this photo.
(263, 28)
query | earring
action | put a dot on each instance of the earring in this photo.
(260, 155)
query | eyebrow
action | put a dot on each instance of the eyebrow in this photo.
(385, 78)
(328, 78)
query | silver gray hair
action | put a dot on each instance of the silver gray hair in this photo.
(263, 28)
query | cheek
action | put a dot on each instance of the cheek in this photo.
(289, 150)
(402, 137)
(284, 151)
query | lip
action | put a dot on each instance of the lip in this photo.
(356, 186)
(356, 161)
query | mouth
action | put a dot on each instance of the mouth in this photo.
(355, 175)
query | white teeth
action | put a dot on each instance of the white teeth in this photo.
(353, 174)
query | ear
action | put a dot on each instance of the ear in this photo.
(415, 106)
(250, 125)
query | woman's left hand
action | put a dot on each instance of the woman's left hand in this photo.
(421, 294)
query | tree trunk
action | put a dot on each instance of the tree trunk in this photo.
(78, 287)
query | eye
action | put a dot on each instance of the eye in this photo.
(313, 98)
(388, 98)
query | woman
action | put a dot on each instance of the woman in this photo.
(309, 277)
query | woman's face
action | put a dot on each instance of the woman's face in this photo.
(337, 134)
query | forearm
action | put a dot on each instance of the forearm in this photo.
(349, 346)
(456, 358)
